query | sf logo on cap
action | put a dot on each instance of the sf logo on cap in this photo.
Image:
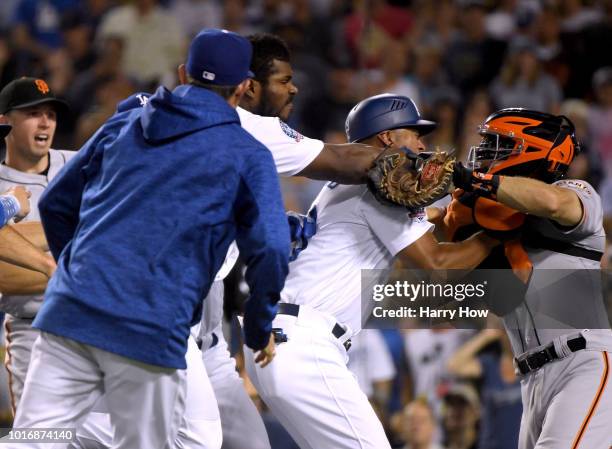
(42, 86)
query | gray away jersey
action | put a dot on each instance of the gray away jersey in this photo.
(564, 293)
(27, 306)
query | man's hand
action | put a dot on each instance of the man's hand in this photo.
(484, 184)
(22, 196)
(266, 355)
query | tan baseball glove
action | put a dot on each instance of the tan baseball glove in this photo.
(402, 177)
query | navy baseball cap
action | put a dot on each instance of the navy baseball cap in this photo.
(4, 130)
(219, 57)
(25, 92)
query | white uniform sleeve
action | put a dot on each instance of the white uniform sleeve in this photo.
(592, 217)
(292, 152)
(396, 227)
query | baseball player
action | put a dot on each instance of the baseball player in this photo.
(29, 106)
(271, 93)
(15, 249)
(119, 205)
(308, 386)
(560, 333)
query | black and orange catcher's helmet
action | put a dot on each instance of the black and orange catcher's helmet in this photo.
(520, 142)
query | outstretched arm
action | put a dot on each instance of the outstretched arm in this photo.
(537, 198)
(343, 163)
(429, 254)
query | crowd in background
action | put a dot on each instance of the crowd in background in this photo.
(459, 60)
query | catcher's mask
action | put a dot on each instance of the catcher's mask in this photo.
(528, 143)
(382, 113)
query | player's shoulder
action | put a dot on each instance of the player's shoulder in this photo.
(60, 157)
(265, 128)
(576, 184)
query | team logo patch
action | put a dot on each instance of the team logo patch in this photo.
(42, 86)
(572, 183)
(292, 133)
(418, 214)
(142, 99)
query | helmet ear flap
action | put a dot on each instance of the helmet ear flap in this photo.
(558, 160)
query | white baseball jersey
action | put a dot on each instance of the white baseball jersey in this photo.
(27, 306)
(354, 232)
(292, 152)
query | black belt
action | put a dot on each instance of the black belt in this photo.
(294, 310)
(538, 241)
(538, 359)
(213, 343)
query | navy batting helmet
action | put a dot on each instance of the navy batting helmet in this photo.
(384, 112)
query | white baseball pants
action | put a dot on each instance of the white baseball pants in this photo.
(241, 422)
(311, 391)
(66, 379)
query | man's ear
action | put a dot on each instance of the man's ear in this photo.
(182, 74)
(4, 119)
(385, 138)
(253, 90)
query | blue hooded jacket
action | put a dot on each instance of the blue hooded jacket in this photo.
(140, 221)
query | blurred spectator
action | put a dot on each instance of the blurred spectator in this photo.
(8, 62)
(597, 37)
(435, 24)
(328, 110)
(523, 82)
(427, 352)
(417, 426)
(370, 361)
(79, 94)
(77, 34)
(193, 15)
(446, 114)
(600, 117)
(390, 77)
(587, 164)
(600, 133)
(577, 15)
(107, 94)
(371, 26)
(501, 22)
(235, 18)
(460, 415)
(501, 390)
(472, 57)
(154, 43)
(554, 56)
(36, 28)
(477, 109)
(430, 78)
(7, 13)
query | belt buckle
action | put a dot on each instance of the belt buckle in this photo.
(540, 358)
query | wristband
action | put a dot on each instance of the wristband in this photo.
(486, 184)
(9, 208)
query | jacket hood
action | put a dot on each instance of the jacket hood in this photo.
(183, 111)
